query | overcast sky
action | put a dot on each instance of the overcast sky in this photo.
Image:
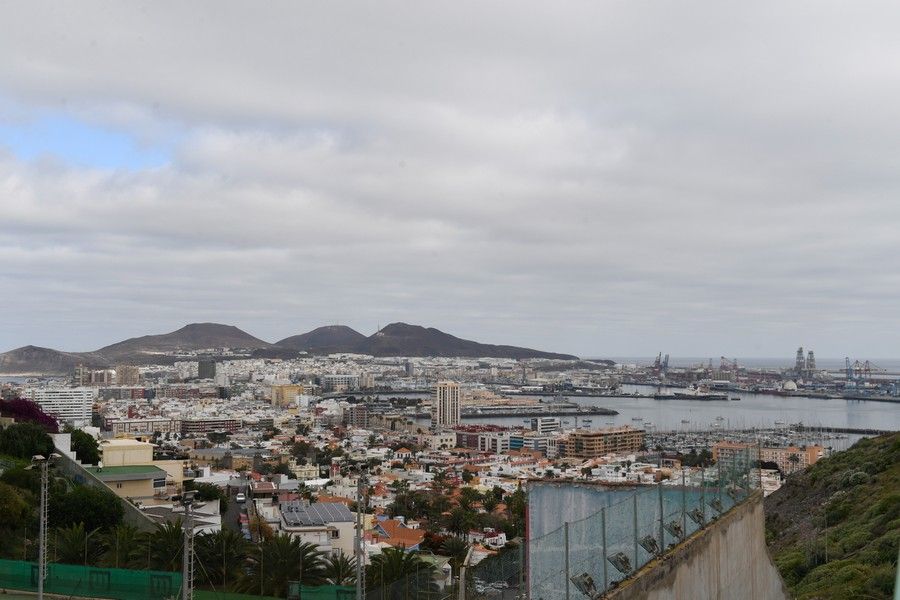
(602, 178)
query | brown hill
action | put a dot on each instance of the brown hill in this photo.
(34, 360)
(324, 340)
(401, 339)
(196, 336)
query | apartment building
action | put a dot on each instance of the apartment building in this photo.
(445, 405)
(593, 443)
(791, 458)
(72, 405)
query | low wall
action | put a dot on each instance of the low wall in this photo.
(726, 561)
(133, 515)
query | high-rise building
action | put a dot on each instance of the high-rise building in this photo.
(128, 375)
(72, 405)
(445, 405)
(286, 395)
(357, 415)
(206, 369)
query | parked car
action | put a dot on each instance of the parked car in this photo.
(240, 497)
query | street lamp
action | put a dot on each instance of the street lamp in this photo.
(38, 460)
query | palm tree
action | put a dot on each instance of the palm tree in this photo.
(76, 546)
(395, 574)
(161, 548)
(340, 570)
(221, 556)
(281, 559)
(489, 503)
(459, 521)
(119, 546)
(456, 548)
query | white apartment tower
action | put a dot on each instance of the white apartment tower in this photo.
(445, 405)
(71, 405)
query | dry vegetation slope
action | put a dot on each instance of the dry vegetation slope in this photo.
(834, 529)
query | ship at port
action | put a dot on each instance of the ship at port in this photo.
(691, 393)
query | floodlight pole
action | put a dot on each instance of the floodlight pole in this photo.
(187, 558)
(360, 525)
(42, 531)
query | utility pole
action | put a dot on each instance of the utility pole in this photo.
(361, 501)
(44, 464)
(187, 558)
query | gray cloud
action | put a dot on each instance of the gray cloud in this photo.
(599, 178)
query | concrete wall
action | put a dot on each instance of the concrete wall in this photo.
(74, 470)
(727, 561)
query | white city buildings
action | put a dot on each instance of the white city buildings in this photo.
(72, 405)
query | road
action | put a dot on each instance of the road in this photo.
(231, 518)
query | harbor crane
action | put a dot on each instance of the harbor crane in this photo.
(861, 370)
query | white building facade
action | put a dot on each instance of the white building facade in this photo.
(445, 406)
(72, 405)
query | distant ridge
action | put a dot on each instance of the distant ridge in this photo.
(397, 339)
(324, 340)
(402, 339)
(34, 360)
(196, 336)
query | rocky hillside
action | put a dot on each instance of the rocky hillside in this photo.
(33, 360)
(834, 529)
(401, 339)
(324, 340)
(196, 336)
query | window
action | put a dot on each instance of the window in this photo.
(335, 534)
(119, 485)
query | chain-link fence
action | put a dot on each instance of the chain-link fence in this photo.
(578, 550)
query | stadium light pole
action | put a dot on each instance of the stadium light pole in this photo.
(42, 462)
(187, 556)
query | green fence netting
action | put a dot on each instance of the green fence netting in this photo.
(91, 582)
(126, 584)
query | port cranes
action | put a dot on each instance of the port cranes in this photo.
(661, 365)
(861, 370)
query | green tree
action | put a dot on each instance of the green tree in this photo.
(95, 508)
(281, 559)
(24, 440)
(340, 570)
(76, 545)
(120, 544)
(15, 512)
(395, 574)
(222, 556)
(456, 548)
(515, 505)
(459, 520)
(161, 549)
(489, 503)
(468, 497)
(86, 448)
(208, 492)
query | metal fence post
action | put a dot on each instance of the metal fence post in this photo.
(635, 532)
(683, 504)
(603, 536)
(662, 518)
(719, 486)
(703, 493)
(566, 539)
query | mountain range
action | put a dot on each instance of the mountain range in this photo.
(396, 339)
